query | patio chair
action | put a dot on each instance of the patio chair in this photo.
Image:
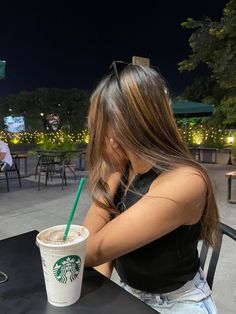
(12, 173)
(51, 164)
(69, 166)
(210, 273)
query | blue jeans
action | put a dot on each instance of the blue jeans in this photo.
(194, 297)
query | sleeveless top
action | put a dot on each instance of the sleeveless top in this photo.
(165, 264)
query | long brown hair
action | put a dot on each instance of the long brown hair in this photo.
(139, 112)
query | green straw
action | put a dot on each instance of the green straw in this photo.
(73, 208)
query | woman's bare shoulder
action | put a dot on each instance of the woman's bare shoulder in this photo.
(181, 180)
(181, 172)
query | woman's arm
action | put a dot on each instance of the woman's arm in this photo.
(97, 218)
(174, 199)
(105, 269)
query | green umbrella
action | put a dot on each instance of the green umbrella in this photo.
(187, 108)
(2, 69)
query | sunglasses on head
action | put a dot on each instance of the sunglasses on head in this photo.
(118, 66)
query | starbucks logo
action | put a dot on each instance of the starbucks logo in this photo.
(67, 268)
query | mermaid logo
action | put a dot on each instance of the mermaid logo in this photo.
(67, 268)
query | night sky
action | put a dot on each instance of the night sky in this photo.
(71, 44)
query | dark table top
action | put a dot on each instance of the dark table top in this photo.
(19, 155)
(24, 292)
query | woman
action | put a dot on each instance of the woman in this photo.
(152, 201)
(5, 157)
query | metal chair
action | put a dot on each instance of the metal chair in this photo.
(51, 164)
(12, 173)
(69, 166)
(210, 273)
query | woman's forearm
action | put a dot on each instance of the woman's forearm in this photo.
(95, 220)
(105, 269)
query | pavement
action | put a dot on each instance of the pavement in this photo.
(28, 209)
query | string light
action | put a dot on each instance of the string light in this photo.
(198, 135)
(39, 137)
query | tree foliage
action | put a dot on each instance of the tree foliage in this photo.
(214, 43)
(71, 106)
(206, 90)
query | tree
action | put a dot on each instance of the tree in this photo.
(71, 106)
(206, 90)
(214, 43)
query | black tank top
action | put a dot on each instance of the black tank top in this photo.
(165, 264)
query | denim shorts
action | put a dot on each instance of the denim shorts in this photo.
(194, 297)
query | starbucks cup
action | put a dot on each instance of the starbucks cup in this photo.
(63, 262)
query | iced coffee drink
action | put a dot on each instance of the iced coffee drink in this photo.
(63, 262)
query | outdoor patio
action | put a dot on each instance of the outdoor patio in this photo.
(28, 209)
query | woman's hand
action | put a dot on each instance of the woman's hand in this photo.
(115, 155)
